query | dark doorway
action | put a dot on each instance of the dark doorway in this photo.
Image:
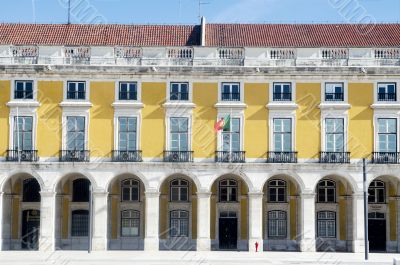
(228, 233)
(30, 229)
(377, 233)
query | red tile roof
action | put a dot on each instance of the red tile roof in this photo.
(222, 35)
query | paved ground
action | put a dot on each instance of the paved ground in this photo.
(188, 258)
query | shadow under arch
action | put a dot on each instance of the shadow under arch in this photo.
(18, 173)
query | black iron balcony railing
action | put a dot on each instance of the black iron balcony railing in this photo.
(386, 158)
(178, 156)
(334, 157)
(230, 96)
(22, 155)
(333, 96)
(282, 157)
(386, 96)
(179, 96)
(230, 156)
(74, 156)
(127, 156)
(282, 96)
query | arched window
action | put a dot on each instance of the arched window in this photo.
(130, 223)
(130, 190)
(179, 223)
(277, 224)
(179, 190)
(277, 190)
(31, 190)
(326, 223)
(228, 189)
(80, 223)
(80, 190)
(326, 191)
(376, 192)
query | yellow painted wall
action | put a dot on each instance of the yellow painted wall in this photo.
(342, 212)
(308, 129)
(153, 121)
(204, 141)
(5, 87)
(360, 133)
(213, 209)
(102, 95)
(49, 129)
(256, 120)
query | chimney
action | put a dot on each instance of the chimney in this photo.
(203, 31)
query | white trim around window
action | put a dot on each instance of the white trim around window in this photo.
(22, 112)
(87, 90)
(168, 117)
(241, 89)
(281, 114)
(237, 115)
(138, 93)
(345, 92)
(386, 103)
(378, 116)
(75, 112)
(34, 88)
(120, 113)
(271, 91)
(190, 91)
(334, 114)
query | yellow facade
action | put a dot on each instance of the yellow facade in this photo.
(5, 90)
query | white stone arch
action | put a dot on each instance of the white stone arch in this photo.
(338, 176)
(131, 173)
(240, 175)
(290, 175)
(390, 175)
(15, 173)
(189, 175)
(75, 173)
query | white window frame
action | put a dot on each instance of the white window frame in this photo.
(334, 115)
(127, 114)
(74, 113)
(241, 89)
(345, 92)
(281, 115)
(241, 118)
(34, 89)
(22, 112)
(190, 91)
(138, 94)
(87, 90)
(274, 237)
(271, 91)
(336, 224)
(396, 81)
(168, 117)
(376, 128)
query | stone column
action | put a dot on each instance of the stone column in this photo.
(5, 222)
(255, 221)
(358, 223)
(47, 221)
(1, 220)
(307, 241)
(152, 206)
(203, 221)
(99, 240)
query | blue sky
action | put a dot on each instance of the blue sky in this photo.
(186, 11)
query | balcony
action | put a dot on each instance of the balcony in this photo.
(230, 156)
(387, 97)
(178, 156)
(282, 157)
(22, 156)
(334, 157)
(282, 97)
(333, 96)
(74, 156)
(230, 96)
(386, 158)
(127, 156)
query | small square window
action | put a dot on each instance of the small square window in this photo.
(23, 90)
(127, 91)
(76, 90)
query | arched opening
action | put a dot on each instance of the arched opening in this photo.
(126, 211)
(21, 213)
(334, 215)
(281, 211)
(178, 213)
(229, 213)
(383, 217)
(72, 213)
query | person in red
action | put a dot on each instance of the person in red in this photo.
(256, 246)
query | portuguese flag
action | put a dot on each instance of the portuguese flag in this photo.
(223, 124)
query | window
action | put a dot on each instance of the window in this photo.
(326, 191)
(80, 190)
(282, 135)
(75, 133)
(179, 223)
(127, 91)
(179, 134)
(127, 133)
(130, 190)
(334, 92)
(80, 223)
(231, 136)
(179, 91)
(228, 189)
(31, 190)
(76, 90)
(376, 192)
(179, 190)
(277, 223)
(230, 92)
(282, 92)
(326, 223)
(387, 135)
(130, 223)
(387, 92)
(334, 135)
(23, 133)
(277, 190)
(23, 90)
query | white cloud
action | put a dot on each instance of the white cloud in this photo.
(245, 11)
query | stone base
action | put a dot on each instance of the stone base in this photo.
(307, 245)
(358, 246)
(46, 244)
(151, 244)
(99, 244)
(252, 245)
(203, 244)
